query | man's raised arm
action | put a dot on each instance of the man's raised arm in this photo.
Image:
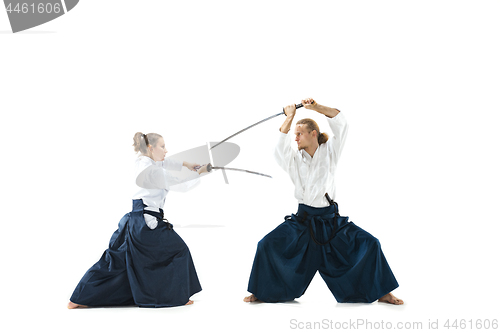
(290, 113)
(310, 104)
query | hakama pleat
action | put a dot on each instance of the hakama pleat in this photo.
(351, 263)
(142, 266)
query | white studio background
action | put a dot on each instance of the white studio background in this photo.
(417, 80)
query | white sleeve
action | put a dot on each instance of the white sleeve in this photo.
(339, 127)
(170, 164)
(184, 184)
(283, 153)
(152, 176)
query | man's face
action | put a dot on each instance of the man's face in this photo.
(303, 137)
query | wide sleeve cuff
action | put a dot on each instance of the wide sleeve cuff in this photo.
(339, 127)
(336, 122)
(283, 153)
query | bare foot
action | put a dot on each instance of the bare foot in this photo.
(391, 299)
(250, 298)
(72, 305)
(189, 302)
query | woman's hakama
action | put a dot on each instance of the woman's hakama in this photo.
(142, 266)
(351, 263)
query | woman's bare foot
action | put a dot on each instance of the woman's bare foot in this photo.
(391, 299)
(250, 298)
(189, 302)
(72, 305)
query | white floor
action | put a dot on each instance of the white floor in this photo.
(434, 290)
(418, 82)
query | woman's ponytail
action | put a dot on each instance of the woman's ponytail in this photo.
(143, 141)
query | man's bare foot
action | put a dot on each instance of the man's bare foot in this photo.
(189, 302)
(391, 299)
(250, 298)
(72, 305)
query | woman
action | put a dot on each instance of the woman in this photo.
(147, 263)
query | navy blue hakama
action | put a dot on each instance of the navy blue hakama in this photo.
(142, 266)
(349, 259)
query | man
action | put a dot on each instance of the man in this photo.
(317, 238)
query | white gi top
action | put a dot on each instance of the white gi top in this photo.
(313, 176)
(154, 181)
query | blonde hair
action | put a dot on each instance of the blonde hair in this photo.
(313, 126)
(143, 141)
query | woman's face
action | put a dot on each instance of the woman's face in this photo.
(159, 151)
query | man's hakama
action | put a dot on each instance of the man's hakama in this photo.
(142, 266)
(351, 263)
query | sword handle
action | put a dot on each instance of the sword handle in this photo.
(297, 106)
(209, 167)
